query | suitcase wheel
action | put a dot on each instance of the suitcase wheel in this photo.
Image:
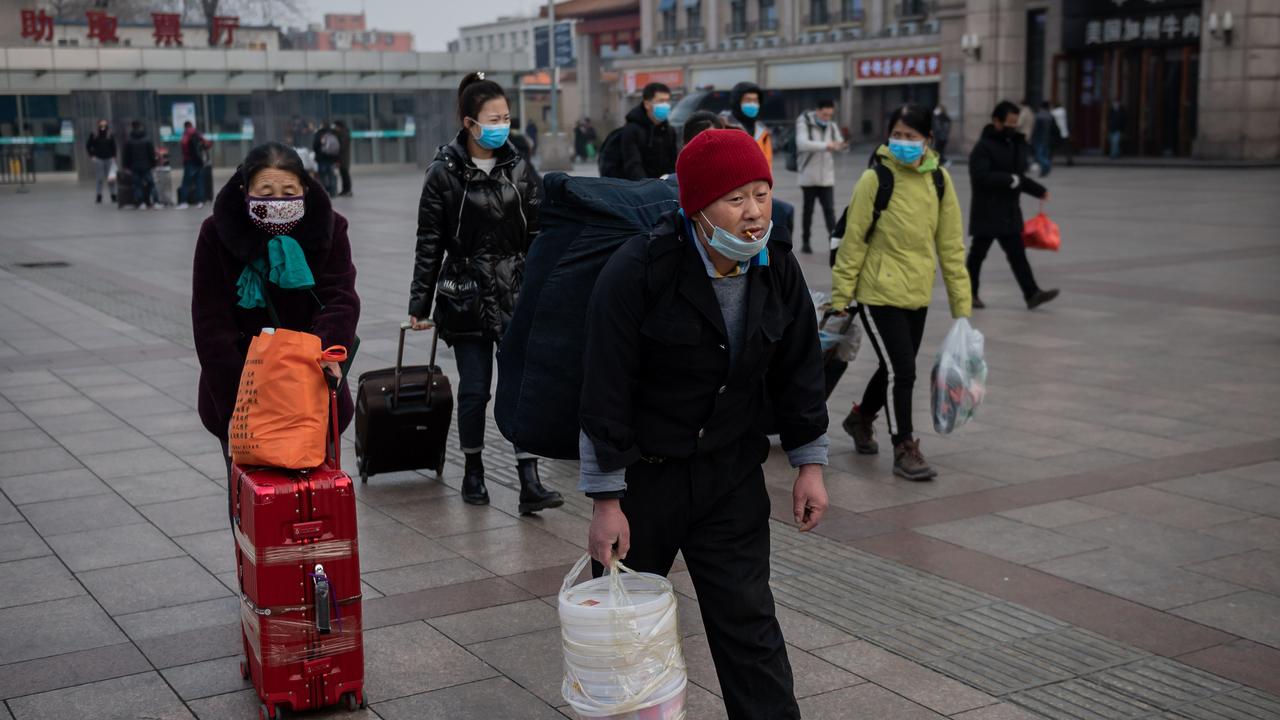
(264, 714)
(352, 701)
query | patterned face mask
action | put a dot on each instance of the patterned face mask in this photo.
(277, 215)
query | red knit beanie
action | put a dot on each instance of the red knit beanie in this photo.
(715, 162)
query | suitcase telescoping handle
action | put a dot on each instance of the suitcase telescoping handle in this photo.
(431, 368)
(333, 447)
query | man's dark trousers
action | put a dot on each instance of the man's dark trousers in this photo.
(1015, 250)
(345, 174)
(824, 195)
(715, 509)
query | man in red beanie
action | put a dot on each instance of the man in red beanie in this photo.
(689, 330)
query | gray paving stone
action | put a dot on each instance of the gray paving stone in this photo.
(109, 547)
(58, 485)
(1250, 614)
(94, 376)
(25, 439)
(43, 391)
(63, 425)
(26, 377)
(190, 516)
(403, 660)
(1002, 711)
(14, 421)
(213, 465)
(55, 627)
(30, 462)
(191, 645)
(1161, 543)
(152, 624)
(497, 622)
(1260, 532)
(918, 684)
(127, 698)
(701, 704)
(427, 575)
(1137, 578)
(534, 660)
(36, 580)
(101, 441)
(152, 585)
(1056, 514)
(188, 442)
(132, 462)
(133, 408)
(1268, 472)
(166, 486)
(799, 630)
(242, 705)
(446, 516)
(390, 546)
(1008, 539)
(493, 699)
(78, 514)
(18, 541)
(8, 513)
(867, 700)
(171, 422)
(55, 407)
(509, 550)
(215, 550)
(1257, 569)
(208, 678)
(71, 669)
(1165, 507)
(1000, 466)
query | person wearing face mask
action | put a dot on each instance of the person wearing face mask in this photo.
(102, 151)
(996, 172)
(886, 264)
(476, 219)
(744, 112)
(273, 254)
(648, 142)
(688, 330)
(817, 139)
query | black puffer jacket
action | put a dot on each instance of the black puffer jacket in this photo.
(648, 149)
(995, 171)
(478, 225)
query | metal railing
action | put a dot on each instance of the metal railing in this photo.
(764, 25)
(695, 33)
(850, 15)
(17, 167)
(817, 20)
(668, 36)
(736, 29)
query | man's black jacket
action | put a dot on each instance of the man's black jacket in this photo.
(657, 378)
(648, 150)
(995, 172)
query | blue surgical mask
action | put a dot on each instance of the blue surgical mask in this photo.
(662, 111)
(493, 136)
(733, 247)
(907, 151)
(751, 109)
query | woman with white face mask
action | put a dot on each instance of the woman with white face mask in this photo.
(886, 264)
(476, 219)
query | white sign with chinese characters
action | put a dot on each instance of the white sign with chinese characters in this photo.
(898, 69)
(1167, 28)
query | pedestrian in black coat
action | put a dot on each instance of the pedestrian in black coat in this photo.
(476, 219)
(648, 142)
(140, 158)
(996, 172)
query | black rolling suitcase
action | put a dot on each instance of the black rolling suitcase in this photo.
(124, 188)
(402, 416)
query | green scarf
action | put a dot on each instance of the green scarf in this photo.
(285, 266)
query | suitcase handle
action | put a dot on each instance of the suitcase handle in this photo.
(333, 448)
(431, 368)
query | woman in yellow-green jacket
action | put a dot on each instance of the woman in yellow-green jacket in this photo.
(889, 274)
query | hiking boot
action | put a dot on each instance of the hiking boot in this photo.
(533, 496)
(978, 304)
(473, 490)
(99, 199)
(863, 431)
(909, 463)
(806, 249)
(1041, 297)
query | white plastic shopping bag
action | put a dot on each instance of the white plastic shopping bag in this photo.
(959, 377)
(839, 335)
(622, 654)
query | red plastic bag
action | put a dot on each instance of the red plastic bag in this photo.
(1041, 233)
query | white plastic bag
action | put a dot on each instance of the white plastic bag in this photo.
(622, 654)
(959, 377)
(840, 336)
(112, 171)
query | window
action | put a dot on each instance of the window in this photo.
(669, 25)
(226, 118)
(41, 116)
(738, 17)
(466, 43)
(353, 109)
(850, 11)
(768, 15)
(694, 19)
(818, 12)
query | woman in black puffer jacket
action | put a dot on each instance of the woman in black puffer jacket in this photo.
(477, 218)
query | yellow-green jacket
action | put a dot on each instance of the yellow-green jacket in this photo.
(896, 266)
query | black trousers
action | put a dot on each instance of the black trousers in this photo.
(824, 195)
(345, 173)
(715, 509)
(1014, 250)
(895, 334)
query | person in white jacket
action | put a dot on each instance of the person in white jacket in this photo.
(817, 139)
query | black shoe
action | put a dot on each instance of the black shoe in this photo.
(978, 304)
(1041, 297)
(533, 496)
(806, 249)
(113, 197)
(99, 199)
(473, 490)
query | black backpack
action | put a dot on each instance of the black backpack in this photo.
(791, 149)
(884, 193)
(609, 159)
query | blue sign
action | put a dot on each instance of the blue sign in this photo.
(563, 45)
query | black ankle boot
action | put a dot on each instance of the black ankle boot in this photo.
(533, 496)
(473, 490)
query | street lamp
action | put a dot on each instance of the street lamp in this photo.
(971, 46)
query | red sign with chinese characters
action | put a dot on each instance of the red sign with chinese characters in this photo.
(168, 28)
(37, 26)
(102, 27)
(894, 69)
(224, 23)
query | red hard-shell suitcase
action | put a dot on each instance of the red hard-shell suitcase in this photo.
(297, 558)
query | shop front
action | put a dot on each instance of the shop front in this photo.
(1143, 56)
(885, 82)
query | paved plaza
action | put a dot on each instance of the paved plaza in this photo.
(1103, 541)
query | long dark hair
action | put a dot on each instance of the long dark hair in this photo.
(473, 92)
(916, 117)
(271, 155)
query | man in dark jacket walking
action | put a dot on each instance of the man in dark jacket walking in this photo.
(996, 168)
(140, 159)
(193, 190)
(648, 142)
(328, 149)
(344, 156)
(102, 152)
(689, 329)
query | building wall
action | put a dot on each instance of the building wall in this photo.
(1239, 94)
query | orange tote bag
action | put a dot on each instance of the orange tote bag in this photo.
(1041, 233)
(281, 416)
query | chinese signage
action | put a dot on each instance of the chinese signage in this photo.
(897, 69)
(1131, 23)
(635, 81)
(563, 45)
(38, 26)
